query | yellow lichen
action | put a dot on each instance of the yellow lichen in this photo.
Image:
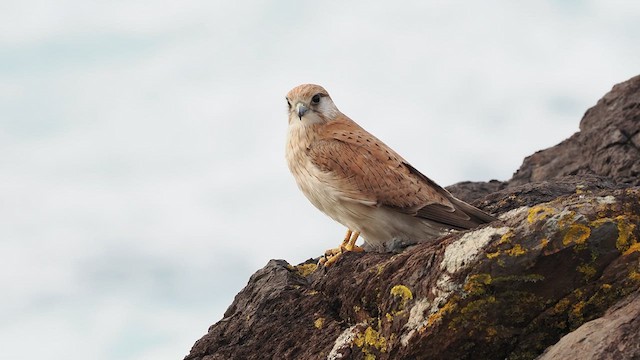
(402, 291)
(506, 237)
(576, 310)
(438, 315)
(588, 270)
(600, 221)
(305, 269)
(577, 234)
(389, 317)
(625, 234)
(319, 323)
(544, 242)
(561, 306)
(371, 338)
(477, 283)
(538, 213)
(516, 250)
(567, 218)
(633, 248)
(493, 255)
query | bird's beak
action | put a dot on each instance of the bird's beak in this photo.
(301, 109)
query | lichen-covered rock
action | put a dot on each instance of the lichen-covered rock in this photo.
(611, 337)
(561, 265)
(506, 290)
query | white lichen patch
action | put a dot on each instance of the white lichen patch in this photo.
(606, 200)
(564, 218)
(423, 308)
(443, 289)
(343, 341)
(417, 319)
(513, 213)
(460, 253)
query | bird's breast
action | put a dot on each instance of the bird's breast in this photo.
(315, 184)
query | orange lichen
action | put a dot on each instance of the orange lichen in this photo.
(506, 237)
(544, 242)
(539, 212)
(438, 315)
(577, 234)
(633, 248)
(599, 222)
(516, 250)
(626, 237)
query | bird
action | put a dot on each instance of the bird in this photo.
(363, 184)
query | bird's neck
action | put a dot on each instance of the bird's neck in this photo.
(302, 134)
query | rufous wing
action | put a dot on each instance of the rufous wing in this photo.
(363, 169)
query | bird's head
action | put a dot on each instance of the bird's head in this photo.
(310, 103)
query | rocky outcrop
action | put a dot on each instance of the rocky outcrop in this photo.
(561, 266)
(608, 143)
(613, 336)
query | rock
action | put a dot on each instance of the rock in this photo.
(471, 191)
(270, 316)
(562, 265)
(608, 143)
(613, 336)
(506, 290)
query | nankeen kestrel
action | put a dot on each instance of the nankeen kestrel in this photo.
(363, 184)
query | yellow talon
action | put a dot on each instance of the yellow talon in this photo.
(348, 244)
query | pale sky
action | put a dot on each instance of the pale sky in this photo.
(142, 169)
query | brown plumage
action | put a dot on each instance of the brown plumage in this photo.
(362, 183)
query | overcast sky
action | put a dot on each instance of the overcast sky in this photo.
(142, 171)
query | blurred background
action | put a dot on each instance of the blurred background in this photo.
(142, 171)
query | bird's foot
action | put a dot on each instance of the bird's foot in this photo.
(348, 244)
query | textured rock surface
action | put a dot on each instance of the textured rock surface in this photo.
(613, 336)
(608, 143)
(470, 191)
(564, 258)
(508, 290)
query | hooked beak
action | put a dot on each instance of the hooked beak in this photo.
(301, 110)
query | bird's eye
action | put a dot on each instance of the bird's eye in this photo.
(288, 103)
(315, 99)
